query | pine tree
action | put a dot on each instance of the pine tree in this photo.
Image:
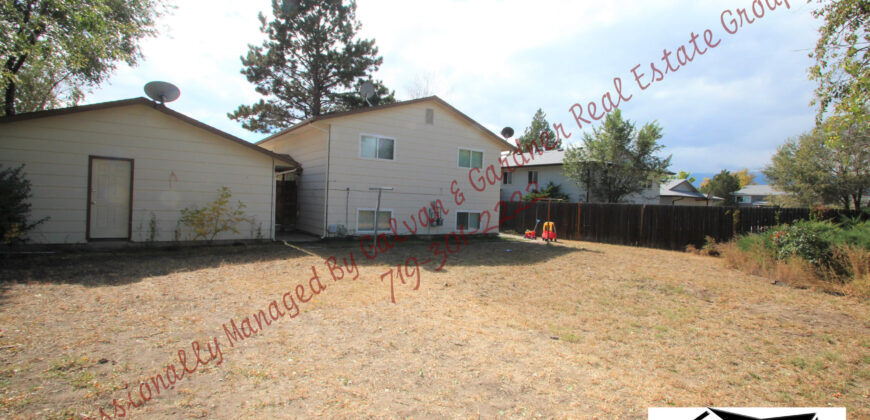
(534, 133)
(311, 64)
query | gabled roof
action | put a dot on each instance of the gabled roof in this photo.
(435, 99)
(158, 107)
(669, 189)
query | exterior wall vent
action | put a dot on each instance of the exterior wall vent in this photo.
(430, 116)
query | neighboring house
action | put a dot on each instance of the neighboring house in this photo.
(681, 192)
(757, 195)
(545, 167)
(424, 149)
(99, 172)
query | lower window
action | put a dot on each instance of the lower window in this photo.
(365, 221)
(467, 221)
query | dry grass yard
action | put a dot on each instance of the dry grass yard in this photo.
(509, 329)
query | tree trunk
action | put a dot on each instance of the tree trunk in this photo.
(9, 101)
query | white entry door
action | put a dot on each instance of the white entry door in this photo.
(110, 199)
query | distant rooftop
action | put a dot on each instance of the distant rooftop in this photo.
(759, 190)
(551, 157)
(682, 188)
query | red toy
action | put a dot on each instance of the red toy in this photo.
(549, 233)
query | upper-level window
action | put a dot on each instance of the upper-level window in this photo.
(374, 147)
(470, 158)
(507, 178)
(533, 177)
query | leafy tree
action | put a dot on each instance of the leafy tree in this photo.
(550, 191)
(15, 206)
(534, 132)
(842, 54)
(742, 175)
(687, 176)
(617, 159)
(723, 185)
(829, 164)
(425, 84)
(745, 177)
(682, 175)
(310, 64)
(52, 50)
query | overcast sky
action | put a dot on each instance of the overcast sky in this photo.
(499, 61)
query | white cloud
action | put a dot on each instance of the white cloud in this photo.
(500, 60)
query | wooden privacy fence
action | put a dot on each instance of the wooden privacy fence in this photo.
(654, 226)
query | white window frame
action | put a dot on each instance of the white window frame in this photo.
(386, 231)
(470, 159)
(507, 178)
(456, 219)
(378, 136)
(537, 177)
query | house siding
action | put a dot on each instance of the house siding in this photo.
(308, 147)
(425, 165)
(546, 174)
(553, 173)
(56, 151)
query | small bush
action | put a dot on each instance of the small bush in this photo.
(835, 257)
(15, 206)
(216, 217)
(710, 248)
(808, 240)
(552, 190)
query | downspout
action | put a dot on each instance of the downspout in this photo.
(274, 185)
(326, 200)
(346, 208)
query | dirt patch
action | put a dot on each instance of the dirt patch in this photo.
(507, 329)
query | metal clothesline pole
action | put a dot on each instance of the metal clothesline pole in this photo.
(378, 208)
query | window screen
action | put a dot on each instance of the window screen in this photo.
(377, 148)
(467, 221)
(366, 221)
(470, 159)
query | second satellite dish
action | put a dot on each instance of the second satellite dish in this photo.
(507, 132)
(162, 92)
(367, 90)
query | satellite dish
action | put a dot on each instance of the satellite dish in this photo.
(507, 132)
(367, 90)
(162, 92)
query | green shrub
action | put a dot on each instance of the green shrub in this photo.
(805, 239)
(15, 206)
(216, 217)
(855, 234)
(552, 190)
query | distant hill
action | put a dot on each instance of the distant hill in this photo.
(699, 176)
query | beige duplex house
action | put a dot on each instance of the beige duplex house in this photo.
(422, 151)
(122, 171)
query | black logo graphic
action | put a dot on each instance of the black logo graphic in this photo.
(724, 415)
